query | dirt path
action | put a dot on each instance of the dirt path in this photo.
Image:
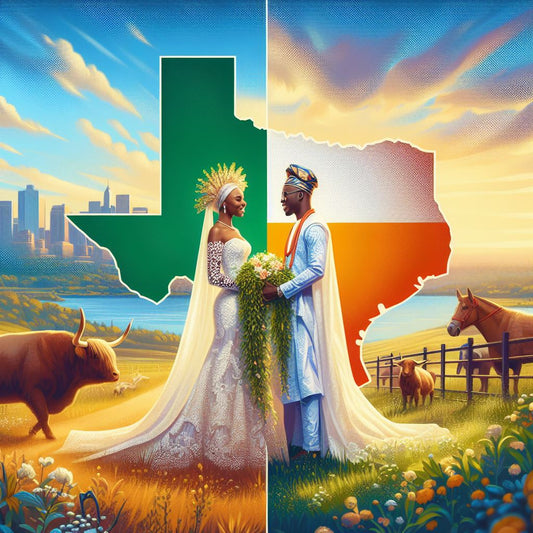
(125, 413)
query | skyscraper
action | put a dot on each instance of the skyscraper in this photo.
(6, 223)
(28, 210)
(106, 206)
(58, 224)
(95, 206)
(123, 203)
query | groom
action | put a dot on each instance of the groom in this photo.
(305, 254)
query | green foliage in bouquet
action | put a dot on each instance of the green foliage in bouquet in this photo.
(263, 325)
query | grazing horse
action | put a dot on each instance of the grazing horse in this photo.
(492, 320)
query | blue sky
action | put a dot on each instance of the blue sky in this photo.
(123, 40)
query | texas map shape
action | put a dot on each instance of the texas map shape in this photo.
(386, 228)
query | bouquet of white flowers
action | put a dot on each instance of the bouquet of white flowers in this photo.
(261, 323)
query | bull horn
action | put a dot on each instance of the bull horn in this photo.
(421, 362)
(120, 340)
(76, 339)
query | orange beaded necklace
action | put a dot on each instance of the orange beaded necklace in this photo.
(291, 251)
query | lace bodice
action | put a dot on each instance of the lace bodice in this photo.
(224, 261)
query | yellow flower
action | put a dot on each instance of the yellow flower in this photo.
(424, 495)
(411, 496)
(514, 470)
(477, 495)
(431, 525)
(455, 481)
(350, 502)
(398, 496)
(365, 514)
(429, 483)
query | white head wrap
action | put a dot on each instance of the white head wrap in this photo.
(224, 192)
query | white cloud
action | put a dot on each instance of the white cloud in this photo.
(9, 148)
(136, 32)
(9, 118)
(150, 140)
(77, 76)
(136, 169)
(123, 132)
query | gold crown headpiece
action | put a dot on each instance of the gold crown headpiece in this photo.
(216, 179)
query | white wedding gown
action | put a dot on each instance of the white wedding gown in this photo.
(219, 423)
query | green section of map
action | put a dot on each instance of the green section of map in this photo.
(198, 130)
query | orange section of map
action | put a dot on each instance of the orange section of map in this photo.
(376, 263)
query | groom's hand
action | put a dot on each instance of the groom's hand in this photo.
(270, 292)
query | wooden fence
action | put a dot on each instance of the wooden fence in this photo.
(377, 366)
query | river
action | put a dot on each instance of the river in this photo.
(416, 314)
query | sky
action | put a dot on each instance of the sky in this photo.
(455, 78)
(79, 90)
(79, 95)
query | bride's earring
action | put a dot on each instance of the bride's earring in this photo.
(224, 208)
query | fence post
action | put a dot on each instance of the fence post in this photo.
(390, 377)
(443, 370)
(505, 365)
(469, 376)
(377, 372)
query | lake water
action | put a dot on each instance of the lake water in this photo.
(416, 314)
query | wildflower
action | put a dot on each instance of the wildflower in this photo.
(398, 496)
(485, 481)
(26, 471)
(514, 470)
(429, 483)
(455, 481)
(521, 401)
(495, 430)
(391, 503)
(403, 483)
(399, 520)
(384, 521)
(375, 502)
(323, 529)
(469, 452)
(409, 475)
(513, 418)
(431, 525)
(411, 496)
(477, 495)
(350, 519)
(509, 524)
(365, 514)
(449, 471)
(62, 475)
(419, 510)
(507, 498)
(350, 502)
(531, 406)
(441, 491)
(424, 495)
(517, 445)
(46, 461)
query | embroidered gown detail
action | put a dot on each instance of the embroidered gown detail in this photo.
(219, 423)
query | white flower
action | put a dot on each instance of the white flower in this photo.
(514, 470)
(469, 452)
(62, 475)
(521, 401)
(517, 445)
(46, 461)
(409, 475)
(25, 471)
(495, 430)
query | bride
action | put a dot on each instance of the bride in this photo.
(205, 412)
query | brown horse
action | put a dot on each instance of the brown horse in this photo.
(492, 320)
